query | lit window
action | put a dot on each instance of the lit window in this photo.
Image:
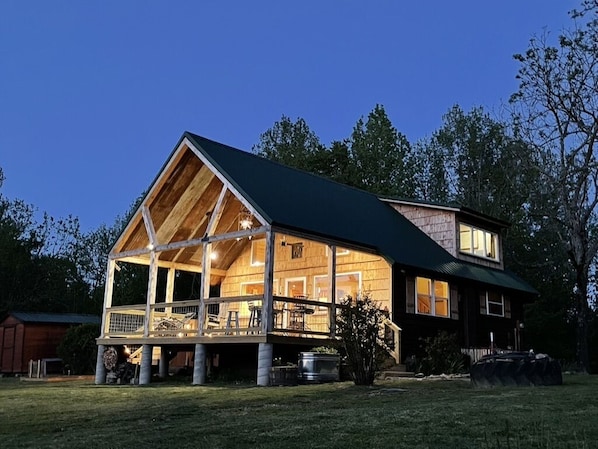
(478, 242)
(258, 252)
(252, 288)
(432, 297)
(495, 304)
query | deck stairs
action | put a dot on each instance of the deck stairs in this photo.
(135, 356)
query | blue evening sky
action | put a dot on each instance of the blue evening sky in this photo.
(95, 94)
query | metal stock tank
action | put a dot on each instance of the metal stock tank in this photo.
(318, 367)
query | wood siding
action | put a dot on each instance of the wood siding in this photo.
(374, 270)
(497, 264)
(439, 225)
(469, 318)
(442, 227)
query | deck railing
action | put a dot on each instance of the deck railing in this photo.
(226, 316)
(476, 354)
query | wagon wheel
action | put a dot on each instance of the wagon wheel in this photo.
(110, 358)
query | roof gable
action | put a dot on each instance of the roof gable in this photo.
(301, 201)
(458, 209)
(200, 173)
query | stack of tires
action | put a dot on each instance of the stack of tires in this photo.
(516, 369)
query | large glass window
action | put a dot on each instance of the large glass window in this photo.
(432, 297)
(478, 242)
(495, 304)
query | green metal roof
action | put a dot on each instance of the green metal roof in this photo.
(56, 318)
(297, 200)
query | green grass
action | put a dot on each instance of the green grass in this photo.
(405, 414)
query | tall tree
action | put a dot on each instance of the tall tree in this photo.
(432, 180)
(290, 143)
(556, 105)
(334, 163)
(382, 157)
(474, 147)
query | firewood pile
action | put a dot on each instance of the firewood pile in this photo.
(118, 372)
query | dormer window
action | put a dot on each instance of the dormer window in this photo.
(478, 242)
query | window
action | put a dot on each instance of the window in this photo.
(252, 288)
(495, 304)
(346, 284)
(258, 252)
(295, 287)
(478, 242)
(432, 297)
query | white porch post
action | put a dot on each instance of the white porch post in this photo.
(170, 289)
(145, 372)
(332, 283)
(108, 290)
(267, 305)
(151, 293)
(264, 363)
(204, 286)
(199, 359)
(100, 368)
(199, 365)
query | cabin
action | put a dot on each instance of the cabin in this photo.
(275, 250)
(26, 336)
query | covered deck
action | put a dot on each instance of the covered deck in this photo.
(238, 318)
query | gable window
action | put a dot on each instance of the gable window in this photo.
(258, 252)
(495, 304)
(478, 242)
(432, 297)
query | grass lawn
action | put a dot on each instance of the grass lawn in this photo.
(402, 414)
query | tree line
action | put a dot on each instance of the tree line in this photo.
(536, 169)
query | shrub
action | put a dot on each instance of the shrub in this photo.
(324, 350)
(442, 355)
(78, 348)
(358, 325)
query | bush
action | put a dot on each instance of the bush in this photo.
(442, 355)
(358, 324)
(78, 348)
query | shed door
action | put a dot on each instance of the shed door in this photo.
(8, 349)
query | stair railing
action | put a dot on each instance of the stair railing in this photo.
(391, 336)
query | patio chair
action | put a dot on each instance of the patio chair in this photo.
(216, 320)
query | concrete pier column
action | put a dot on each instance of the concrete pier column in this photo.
(145, 372)
(199, 365)
(264, 363)
(100, 368)
(163, 367)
